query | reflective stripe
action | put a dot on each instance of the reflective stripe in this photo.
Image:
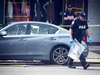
(93, 25)
(0, 24)
(69, 25)
(78, 11)
(64, 25)
(77, 8)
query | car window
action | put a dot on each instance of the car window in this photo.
(52, 30)
(39, 29)
(18, 29)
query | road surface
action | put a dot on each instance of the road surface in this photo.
(48, 70)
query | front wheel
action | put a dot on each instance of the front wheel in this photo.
(59, 55)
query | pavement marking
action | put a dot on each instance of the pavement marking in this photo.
(48, 65)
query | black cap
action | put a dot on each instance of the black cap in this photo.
(83, 15)
(69, 6)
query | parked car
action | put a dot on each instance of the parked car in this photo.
(28, 40)
(0, 27)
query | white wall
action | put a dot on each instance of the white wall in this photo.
(94, 18)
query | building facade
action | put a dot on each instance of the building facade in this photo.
(94, 19)
(33, 10)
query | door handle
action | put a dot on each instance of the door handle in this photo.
(52, 38)
(22, 39)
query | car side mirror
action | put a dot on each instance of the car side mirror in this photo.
(3, 33)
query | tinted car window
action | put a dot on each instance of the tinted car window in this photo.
(39, 29)
(52, 30)
(18, 29)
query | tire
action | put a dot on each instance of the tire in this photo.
(59, 55)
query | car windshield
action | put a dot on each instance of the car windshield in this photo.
(4, 25)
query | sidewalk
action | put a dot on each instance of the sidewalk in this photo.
(94, 54)
(93, 57)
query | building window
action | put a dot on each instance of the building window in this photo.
(20, 10)
(17, 10)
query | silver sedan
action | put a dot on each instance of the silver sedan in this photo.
(28, 40)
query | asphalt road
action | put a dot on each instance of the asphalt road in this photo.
(49, 70)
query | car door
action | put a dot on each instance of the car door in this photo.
(40, 40)
(15, 41)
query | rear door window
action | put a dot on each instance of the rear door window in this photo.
(39, 29)
(52, 30)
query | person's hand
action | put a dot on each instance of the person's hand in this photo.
(71, 40)
(71, 18)
(66, 18)
(90, 40)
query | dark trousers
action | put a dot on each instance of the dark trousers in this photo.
(82, 58)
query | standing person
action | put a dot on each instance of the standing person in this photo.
(77, 30)
(69, 16)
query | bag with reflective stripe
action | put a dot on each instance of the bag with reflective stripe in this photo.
(76, 50)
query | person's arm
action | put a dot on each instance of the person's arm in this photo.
(71, 33)
(73, 17)
(87, 33)
(73, 26)
(66, 18)
(71, 37)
